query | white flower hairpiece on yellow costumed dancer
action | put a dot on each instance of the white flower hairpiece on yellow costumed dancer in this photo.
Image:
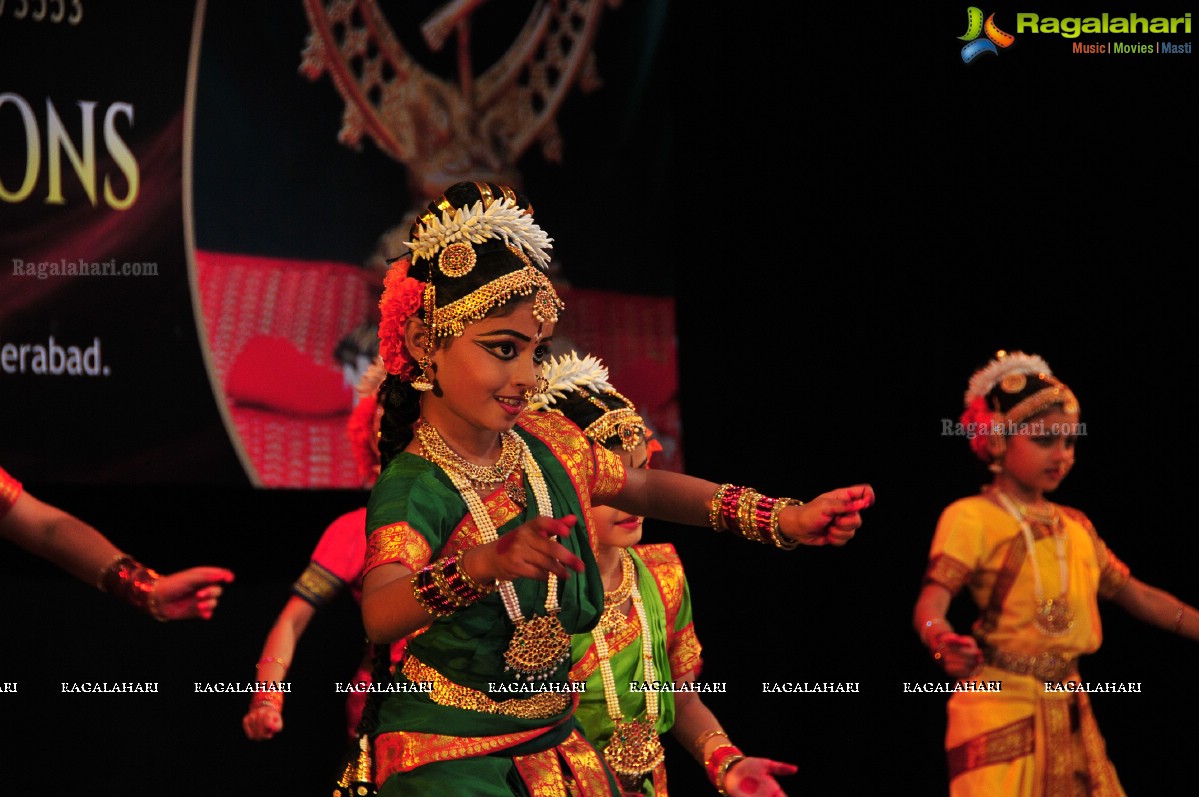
(1026, 386)
(1006, 368)
(501, 218)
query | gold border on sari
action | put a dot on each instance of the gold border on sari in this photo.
(1006, 743)
(541, 705)
(398, 542)
(403, 751)
(950, 573)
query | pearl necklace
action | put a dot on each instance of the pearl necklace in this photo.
(540, 643)
(1053, 616)
(634, 750)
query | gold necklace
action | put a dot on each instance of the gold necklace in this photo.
(634, 750)
(612, 619)
(1046, 514)
(439, 453)
(1053, 616)
(539, 644)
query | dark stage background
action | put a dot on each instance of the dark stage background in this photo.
(896, 216)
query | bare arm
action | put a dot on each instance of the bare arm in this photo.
(264, 719)
(1158, 608)
(750, 777)
(957, 653)
(79, 549)
(829, 519)
(58, 537)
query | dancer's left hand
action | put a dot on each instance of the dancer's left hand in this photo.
(754, 777)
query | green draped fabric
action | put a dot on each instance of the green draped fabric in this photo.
(627, 667)
(468, 646)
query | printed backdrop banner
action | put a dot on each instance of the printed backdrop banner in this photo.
(191, 249)
(102, 373)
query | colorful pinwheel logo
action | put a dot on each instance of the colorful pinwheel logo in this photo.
(995, 38)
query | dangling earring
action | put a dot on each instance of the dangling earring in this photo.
(423, 381)
(996, 467)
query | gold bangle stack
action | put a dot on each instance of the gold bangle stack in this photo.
(751, 515)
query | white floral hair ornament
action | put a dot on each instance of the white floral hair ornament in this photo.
(569, 373)
(1009, 370)
(501, 218)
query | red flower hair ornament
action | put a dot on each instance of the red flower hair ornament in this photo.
(362, 428)
(401, 298)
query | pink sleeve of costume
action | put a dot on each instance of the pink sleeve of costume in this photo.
(336, 561)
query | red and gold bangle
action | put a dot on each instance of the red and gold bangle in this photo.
(428, 594)
(273, 698)
(729, 500)
(443, 588)
(720, 762)
(128, 580)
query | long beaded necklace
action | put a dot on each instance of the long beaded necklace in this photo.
(540, 643)
(1053, 616)
(634, 749)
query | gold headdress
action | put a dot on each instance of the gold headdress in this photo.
(456, 242)
(579, 386)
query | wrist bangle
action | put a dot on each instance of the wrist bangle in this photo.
(269, 659)
(776, 536)
(723, 759)
(128, 580)
(702, 739)
(714, 507)
(928, 624)
(272, 699)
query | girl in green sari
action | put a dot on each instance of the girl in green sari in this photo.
(644, 588)
(479, 546)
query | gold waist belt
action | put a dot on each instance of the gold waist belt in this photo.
(447, 693)
(1045, 666)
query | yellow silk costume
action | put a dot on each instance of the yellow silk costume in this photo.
(1025, 740)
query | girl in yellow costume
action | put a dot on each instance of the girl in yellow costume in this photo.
(479, 540)
(644, 587)
(1038, 612)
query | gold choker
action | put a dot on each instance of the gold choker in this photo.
(439, 453)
